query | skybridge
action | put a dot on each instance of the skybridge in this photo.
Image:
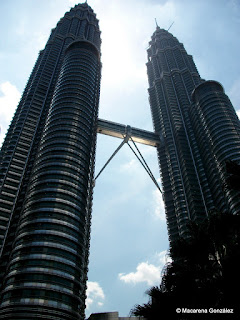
(130, 134)
(118, 130)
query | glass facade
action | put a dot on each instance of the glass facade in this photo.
(47, 163)
(200, 130)
(217, 131)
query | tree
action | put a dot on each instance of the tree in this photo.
(233, 175)
(204, 272)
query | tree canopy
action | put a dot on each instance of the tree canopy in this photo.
(203, 274)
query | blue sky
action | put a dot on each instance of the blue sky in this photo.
(129, 237)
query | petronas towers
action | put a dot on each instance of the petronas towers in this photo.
(47, 167)
(48, 157)
(201, 132)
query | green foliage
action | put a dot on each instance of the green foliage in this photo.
(204, 273)
(232, 175)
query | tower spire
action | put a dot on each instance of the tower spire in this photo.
(170, 26)
(157, 26)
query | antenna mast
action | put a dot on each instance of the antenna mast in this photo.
(170, 26)
(156, 23)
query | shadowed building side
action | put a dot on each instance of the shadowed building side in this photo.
(45, 243)
(217, 130)
(200, 135)
(172, 77)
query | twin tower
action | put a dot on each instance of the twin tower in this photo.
(48, 156)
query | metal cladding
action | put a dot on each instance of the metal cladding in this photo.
(217, 130)
(118, 130)
(47, 163)
(200, 129)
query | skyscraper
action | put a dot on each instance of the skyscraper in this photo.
(47, 166)
(47, 162)
(201, 131)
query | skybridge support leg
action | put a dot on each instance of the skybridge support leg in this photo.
(128, 133)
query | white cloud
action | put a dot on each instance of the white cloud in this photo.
(158, 205)
(147, 272)
(21, 28)
(234, 94)
(124, 52)
(162, 258)
(8, 103)
(72, 2)
(136, 176)
(238, 113)
(95, 294)
(40, 39)
(130, 166)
